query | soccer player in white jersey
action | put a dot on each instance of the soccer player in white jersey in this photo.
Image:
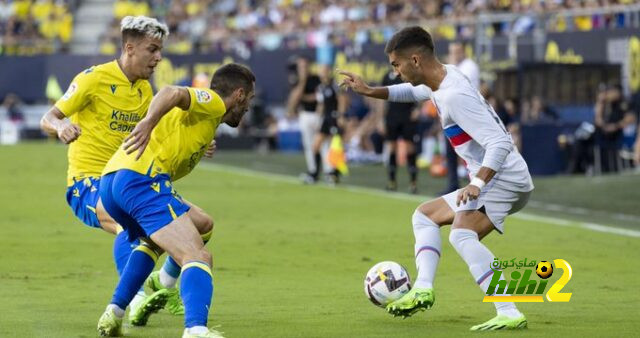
(500, 180)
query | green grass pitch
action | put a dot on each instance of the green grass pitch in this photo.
(289, 261)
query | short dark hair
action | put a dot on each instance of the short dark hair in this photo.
(410, 37)
(230, 77)
(132, 35)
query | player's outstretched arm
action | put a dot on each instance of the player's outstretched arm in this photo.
(54, 122)
(166, 99)
(404, 92)
(357, 84)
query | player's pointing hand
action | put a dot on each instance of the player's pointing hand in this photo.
(353, 82)
(139, 137)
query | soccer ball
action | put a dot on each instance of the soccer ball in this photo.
(544, 269)
(386, 282)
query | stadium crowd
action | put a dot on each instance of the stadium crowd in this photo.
(35, 27)
(46, 26)
(206, 25)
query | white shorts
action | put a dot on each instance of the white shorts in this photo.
(497, 202)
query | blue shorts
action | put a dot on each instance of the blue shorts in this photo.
(82, 197)
(141, 204)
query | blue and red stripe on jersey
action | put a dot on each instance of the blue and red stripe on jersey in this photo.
(456, 135)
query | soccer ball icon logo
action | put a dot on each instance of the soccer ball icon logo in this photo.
(544, 269)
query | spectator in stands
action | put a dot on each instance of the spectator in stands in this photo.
(11, 104)
(6, 11)
(511, 120)
(612, 115)
(210, 25)
(14, 116)
(508, 111)
(34, 27)
(247, 24)
(537, 112)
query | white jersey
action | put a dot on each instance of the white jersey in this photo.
(473, 128)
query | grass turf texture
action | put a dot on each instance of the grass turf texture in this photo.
(609, 199)
(289, 261)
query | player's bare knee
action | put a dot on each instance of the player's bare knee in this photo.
(437, 212)
(207, 224)
(420, 220)
(202, 221)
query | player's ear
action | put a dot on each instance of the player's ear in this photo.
(129, 47)
(415, 59)
(240, 94)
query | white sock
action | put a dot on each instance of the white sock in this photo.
(116, 310)
(479, 260)
(198, 330)
(137, 299)
(166, 280)
(427, 249)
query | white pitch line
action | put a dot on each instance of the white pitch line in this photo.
(582, 211)
(408, 197)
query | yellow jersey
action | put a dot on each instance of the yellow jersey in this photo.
(106, 106)
(178, 141)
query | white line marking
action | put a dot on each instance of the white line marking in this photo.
(582, 211)
(408, 197)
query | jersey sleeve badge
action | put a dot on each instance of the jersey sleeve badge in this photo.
(70, 91)
(202, 96)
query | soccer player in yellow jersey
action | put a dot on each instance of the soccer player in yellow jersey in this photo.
(100, 108)
(137, 190)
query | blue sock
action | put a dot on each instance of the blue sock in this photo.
(122, 250)
(196, 290)
(140, 265)
(171, 268)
